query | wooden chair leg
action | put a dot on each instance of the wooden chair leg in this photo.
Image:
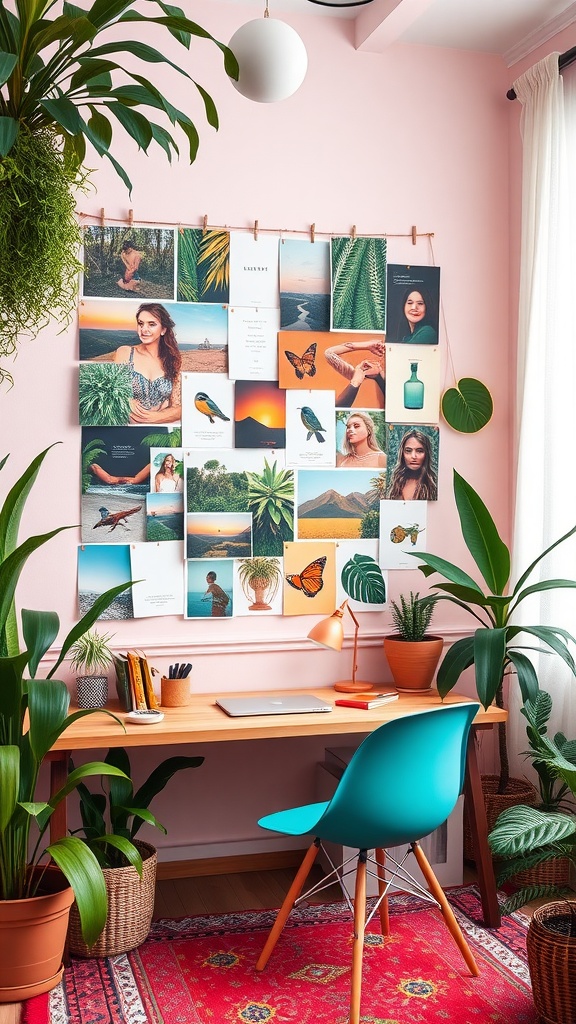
(447, 912)
(380, 857)
(289, 901)
(358, 944)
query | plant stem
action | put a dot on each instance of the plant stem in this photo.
(502, 745)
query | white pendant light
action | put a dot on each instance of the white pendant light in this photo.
(272, 59)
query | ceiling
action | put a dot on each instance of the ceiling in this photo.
(511, 28)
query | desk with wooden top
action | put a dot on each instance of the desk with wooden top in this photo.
(202, 722)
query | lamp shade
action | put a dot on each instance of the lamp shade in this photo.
(329, 632)
(272, 60)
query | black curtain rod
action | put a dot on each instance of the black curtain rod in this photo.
(564, 60)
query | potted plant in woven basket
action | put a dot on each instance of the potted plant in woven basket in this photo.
(496, 648)
(413, 653)
(91, 657)
(111, 820)
(526, 837)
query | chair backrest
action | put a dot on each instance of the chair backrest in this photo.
(403, 781)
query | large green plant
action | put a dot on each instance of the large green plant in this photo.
(528, 836)
(497, 645)
(61, 87)
(111, 819)
(33, 714)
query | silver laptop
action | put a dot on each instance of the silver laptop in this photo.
(278, 704)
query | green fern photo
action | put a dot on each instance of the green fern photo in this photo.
(358, 284)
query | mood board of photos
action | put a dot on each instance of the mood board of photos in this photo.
(259, 420)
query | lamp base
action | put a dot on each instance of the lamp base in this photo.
(347, 686)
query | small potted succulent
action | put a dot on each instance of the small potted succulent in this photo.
(91, 658)
(413, 653)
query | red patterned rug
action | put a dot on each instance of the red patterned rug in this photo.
(200, 970)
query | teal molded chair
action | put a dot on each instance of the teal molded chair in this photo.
(401, 784)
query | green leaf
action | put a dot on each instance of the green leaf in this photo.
(458, 657)
(468, 407)
(95, 71)
(489, 659)
(48, 703)
(362, 580)
(520, 828)
(65, 113)
(12, 566)
(547, 634)
(481, 536)
(141, 50)
(8, 132)
(447, 569)
(527, 678)
(9, 783)
(164, 139)
(8, 62)
(135, 123)
(192, 135)
(39, 631)
(547, 551)
(74, 30)
(125, 847)
(79, 865)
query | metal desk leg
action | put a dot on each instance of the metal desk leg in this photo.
(479, 829)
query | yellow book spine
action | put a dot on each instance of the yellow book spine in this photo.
(137, 681)
(151, 697)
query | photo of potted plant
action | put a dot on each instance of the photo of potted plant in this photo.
(91, 658)
(111, 820)
(39, 880)
(413, 653)
(496, 648)
(262, 576)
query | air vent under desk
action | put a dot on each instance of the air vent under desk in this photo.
(443, 847)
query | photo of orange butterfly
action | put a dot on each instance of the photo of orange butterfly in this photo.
(304, 364)
(309, 582)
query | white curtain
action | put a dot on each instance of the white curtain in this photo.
(546, 469)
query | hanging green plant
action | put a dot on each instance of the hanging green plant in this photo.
(468, 407)
(59, 90)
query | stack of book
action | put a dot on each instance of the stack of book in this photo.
(134, 682)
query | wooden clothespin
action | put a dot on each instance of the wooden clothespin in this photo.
(312, 232)
(414, 234)
(130, 217)
(255, 230)
(180, 229)
(102, 217)
(353, 233)
(204, 223)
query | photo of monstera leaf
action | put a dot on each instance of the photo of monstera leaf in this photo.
(363, 581)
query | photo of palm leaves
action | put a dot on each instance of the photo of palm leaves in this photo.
(203, 265)
(358, 272)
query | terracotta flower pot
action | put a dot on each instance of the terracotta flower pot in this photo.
(32, 938)
(413, 663)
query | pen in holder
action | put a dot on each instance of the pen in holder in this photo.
(174, 693)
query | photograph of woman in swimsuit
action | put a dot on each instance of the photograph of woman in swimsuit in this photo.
(139, 382)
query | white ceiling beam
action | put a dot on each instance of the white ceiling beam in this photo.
(381, 23)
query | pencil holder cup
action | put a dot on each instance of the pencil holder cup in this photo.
(174, 693)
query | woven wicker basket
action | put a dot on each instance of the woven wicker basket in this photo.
(518, 791)
(552, 965)
(130, 909)
(551, 872)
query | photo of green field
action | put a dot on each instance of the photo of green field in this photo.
(339, 504)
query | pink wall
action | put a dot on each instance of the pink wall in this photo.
(415, 135)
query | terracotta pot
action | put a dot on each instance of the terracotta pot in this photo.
(413, 663)
(551, 948)
(130, 908)
(32, 938)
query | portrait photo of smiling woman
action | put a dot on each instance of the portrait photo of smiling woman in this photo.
(413, 454)
(413, 305)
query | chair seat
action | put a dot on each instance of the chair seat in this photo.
(296, 821)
